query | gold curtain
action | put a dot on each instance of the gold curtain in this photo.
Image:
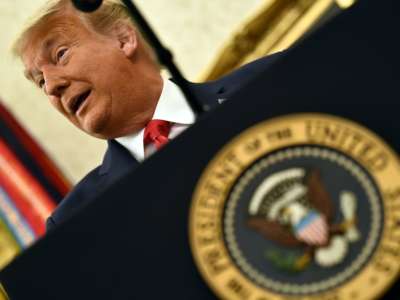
(275, 26)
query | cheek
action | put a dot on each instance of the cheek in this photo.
(111, 70)
(96, 118)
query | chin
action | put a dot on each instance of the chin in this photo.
(96, 125)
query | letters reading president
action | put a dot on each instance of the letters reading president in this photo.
(95, 68)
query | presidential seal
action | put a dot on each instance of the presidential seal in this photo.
(305, 206)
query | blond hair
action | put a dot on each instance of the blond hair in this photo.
(102, 20)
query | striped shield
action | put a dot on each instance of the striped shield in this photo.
(312, 229)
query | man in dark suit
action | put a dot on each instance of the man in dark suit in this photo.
(97, 71)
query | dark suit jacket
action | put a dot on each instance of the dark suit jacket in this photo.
(118, 161)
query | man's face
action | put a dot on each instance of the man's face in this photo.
(94, 80)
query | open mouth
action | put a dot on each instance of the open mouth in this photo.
(79, 101)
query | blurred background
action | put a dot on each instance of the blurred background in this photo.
(208, 39)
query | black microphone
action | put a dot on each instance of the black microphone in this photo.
(87, 5)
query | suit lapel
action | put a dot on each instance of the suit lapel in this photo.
(117, 161)
(208, 94)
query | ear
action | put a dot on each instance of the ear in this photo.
(127, 38)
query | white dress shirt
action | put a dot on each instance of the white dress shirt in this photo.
(173, 107)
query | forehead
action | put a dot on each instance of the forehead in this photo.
(57, 28)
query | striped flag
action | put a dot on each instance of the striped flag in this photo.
(30, 187)
(312, 229)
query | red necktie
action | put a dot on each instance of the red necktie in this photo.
(156, 132)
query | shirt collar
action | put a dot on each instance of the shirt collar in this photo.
(172, 106)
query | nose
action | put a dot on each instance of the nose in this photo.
(54, 84)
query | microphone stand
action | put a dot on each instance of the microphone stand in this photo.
(163, 54)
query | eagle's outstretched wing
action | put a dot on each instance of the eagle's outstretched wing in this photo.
(274, 231)
(318, 195)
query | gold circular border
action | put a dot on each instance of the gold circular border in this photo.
(206, 214)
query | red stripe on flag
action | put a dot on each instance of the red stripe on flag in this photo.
(315, 232)
(50, 170)
(29, 197)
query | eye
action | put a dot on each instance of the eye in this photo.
(60, 53)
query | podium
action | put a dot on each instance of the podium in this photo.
(134, 242)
